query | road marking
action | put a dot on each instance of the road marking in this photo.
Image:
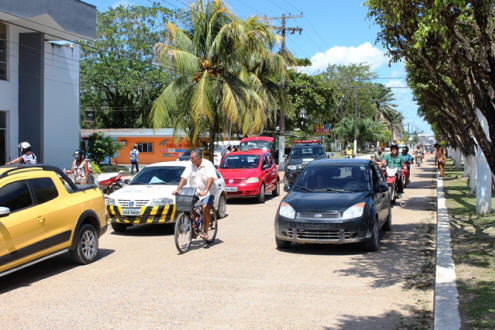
(446, 310)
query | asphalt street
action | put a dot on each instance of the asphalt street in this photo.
(242, 281)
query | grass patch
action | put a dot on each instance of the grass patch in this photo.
(473, 245)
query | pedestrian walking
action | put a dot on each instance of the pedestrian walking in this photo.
(134, 156)
(440, 158)
(81, 169)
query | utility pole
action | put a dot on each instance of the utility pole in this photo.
(356, 120)
(283, 31)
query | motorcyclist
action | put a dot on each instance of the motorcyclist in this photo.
(408, 159)
(379, 155)
(419, 154)
(27, 157)
(349, 152)
(395, 160)
(80, 168)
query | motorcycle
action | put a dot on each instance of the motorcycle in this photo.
(419, 159)
(405, 177)
(109, 182)
(392, 174)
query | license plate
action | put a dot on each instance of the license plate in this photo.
(231, 189)
(131, 211)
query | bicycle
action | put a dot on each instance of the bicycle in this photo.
(189, 222)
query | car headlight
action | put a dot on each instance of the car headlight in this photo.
(161, 201)
(252, 180)
(286, 211)
(292, 167)
(110, 201)
(354, 211)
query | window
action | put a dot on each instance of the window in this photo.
(145, 147)
(15, 196)
(44, 189)
(3, 51)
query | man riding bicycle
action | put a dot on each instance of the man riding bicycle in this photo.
(200, 174)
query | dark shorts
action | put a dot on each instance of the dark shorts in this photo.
(208, 200)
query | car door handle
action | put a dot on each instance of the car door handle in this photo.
(41, 220)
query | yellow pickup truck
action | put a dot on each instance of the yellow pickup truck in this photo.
(44, 214)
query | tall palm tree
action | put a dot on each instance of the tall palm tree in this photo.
(394, 119)
(212, 58)
(383, 98)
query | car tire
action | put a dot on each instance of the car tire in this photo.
(86, 248)
(261, 196)
(222, 207)
(119, 227)
(373, 243)
(388, 224)
(281, 244)
(276, 191)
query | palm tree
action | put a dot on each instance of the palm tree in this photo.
(394, 119)
(383, 98)
(213, 60)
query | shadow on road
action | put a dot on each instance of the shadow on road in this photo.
(147, 230)
(417, 319)
(199, 243)
(248, 201)
(45, 269)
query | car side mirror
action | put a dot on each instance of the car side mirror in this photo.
(286, 187)
(127, 181)
(216, 166)
(381, 188)
(4, 211)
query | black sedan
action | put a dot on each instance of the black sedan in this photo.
(335, 201)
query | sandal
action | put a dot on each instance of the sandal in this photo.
(204, 236)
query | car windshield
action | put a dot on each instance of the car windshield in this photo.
(158, 175)
(256, 144)
(240, 161)
(338, 178)
(309, 152)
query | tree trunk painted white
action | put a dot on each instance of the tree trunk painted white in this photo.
(484, 184)
(472, 173)
(465, 166)
(457, 157)
(484, 174)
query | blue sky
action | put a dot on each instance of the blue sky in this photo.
(334, 32)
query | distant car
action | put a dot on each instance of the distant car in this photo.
(250, 173)
(44, 214)
(335, 201)
(186, 155)
(148, 197)
(300, 155)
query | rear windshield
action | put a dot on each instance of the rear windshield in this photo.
(240, 161)
(348, 178)
(159, 175)
(255, 144)
(309, 152)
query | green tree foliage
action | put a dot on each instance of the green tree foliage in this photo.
(224, 71)
(450, 60)
(368, 130)
(100, 146)
(117, 77)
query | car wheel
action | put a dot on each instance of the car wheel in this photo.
(373, 243)
(388, 224)
(276, 191)
(222, 207)
(261, 196)
(86, 247)
(281, 244)
(119, 227)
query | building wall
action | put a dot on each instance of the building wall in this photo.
(61, 102)
(9, 91)
(164, 149)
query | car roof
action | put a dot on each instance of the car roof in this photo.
(249, 152)
(340, 161)
(257, 138)
(171, 163)
(306, 145)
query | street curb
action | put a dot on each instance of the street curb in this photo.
(446, 303)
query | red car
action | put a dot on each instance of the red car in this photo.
(250, 173)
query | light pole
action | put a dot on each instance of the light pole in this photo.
(356, 120)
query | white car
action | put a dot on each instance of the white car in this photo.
(148, 197)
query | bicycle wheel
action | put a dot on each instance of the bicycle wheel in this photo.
(212, 227)
(183, 232)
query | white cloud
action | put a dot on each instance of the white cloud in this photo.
(372, 56)
(124, 3)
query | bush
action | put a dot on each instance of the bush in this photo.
(113, 168)
(100, 146)
(95, 168)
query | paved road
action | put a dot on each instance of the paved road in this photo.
(241, 282)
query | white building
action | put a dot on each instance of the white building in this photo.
(39, 76)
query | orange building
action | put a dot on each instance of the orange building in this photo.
(154, 145)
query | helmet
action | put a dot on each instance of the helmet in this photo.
(78, 153)
(406, 149)
(24, 147)
(394, 146)
(135, 146)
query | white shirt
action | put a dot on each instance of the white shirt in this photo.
(29, 158)
(197, 177)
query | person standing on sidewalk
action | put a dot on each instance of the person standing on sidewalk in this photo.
(379, 155)
(440, 158)
(134, 156)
